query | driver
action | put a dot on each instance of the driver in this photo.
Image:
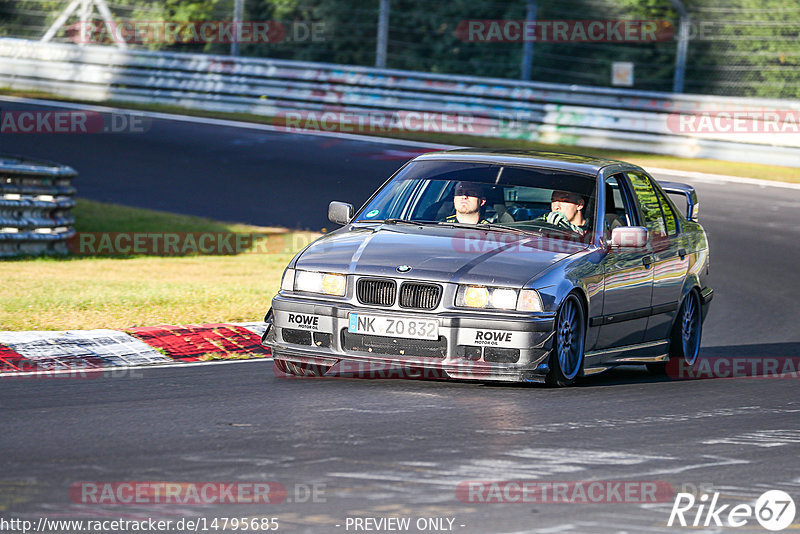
(468, 200)
(567, 212)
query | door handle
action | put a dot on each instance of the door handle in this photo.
(647, 261)
(682, 252)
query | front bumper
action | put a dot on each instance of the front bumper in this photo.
(516, 350)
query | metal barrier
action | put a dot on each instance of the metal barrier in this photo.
(35, 202)
(664, 123)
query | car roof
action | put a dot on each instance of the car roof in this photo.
(532, 158)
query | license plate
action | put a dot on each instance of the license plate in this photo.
(404, 327)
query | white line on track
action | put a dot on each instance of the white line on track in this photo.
(223, 122)
(711, 178)
(721, 178)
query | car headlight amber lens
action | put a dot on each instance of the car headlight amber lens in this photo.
(323, 283)
(530, 300)
(287, 283)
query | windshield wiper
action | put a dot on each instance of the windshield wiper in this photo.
(495, 226)
(455, 224)
(490, 226)
(405, 221)
(553, 228)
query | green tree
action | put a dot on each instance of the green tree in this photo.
(738, 47)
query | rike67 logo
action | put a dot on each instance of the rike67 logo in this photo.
(774, 510)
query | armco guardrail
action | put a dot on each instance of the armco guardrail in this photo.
(35, 202)
(683, 125)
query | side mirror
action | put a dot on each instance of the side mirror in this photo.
(629, 237)
(340, 212)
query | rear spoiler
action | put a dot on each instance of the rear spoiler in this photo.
(692, 205)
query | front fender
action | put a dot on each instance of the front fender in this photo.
(582, 272)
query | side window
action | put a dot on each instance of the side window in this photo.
(669, 214)
(648, 200)
(616, 210)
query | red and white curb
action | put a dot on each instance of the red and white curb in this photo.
(87, 350)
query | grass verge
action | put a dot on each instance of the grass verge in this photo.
(83, 292)
(746, 170)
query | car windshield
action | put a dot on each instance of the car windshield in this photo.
(549, 201)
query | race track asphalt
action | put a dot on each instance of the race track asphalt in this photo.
(391, 448)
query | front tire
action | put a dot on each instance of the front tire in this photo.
(566, 358)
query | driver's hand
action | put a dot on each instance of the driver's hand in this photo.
(556, 218)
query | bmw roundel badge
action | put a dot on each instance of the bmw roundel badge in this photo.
(403, 268)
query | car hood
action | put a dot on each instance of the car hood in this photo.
(439, 254)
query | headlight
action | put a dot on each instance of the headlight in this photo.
(324, 283)
(472, 297)
(498, 298)
(287, 283)
(504, 298)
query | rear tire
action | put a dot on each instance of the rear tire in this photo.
(569, 338)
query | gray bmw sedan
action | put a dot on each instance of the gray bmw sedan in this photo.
(499, 266)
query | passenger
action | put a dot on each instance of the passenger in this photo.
(469, 200)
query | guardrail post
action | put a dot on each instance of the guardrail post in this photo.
(383, 35)
(683, 47)
(238, 10)
(527, 47)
